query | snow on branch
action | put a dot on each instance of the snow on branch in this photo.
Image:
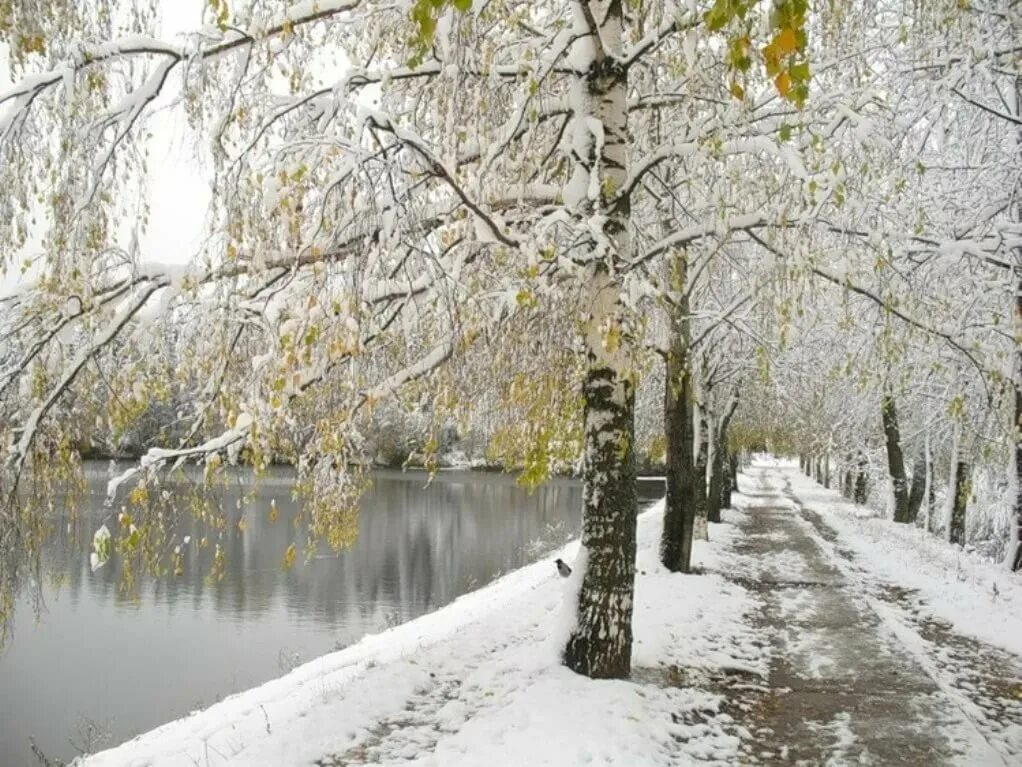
(121, 318)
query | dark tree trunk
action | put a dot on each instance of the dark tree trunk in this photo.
(931, 494)
(848, 479)
(727, 480)
(918, 491)
(713, 499)
(895, 459)
(718, 471)
(679, 506)
(826, 470)
(956, 528)
(862, 480)
(734, 475)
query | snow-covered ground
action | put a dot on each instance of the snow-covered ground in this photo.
(978, 597)
(479, 682)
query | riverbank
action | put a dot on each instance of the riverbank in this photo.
(480, 682)
(447, 461)
(809, 636)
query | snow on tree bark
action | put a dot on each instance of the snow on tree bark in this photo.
(702, 447)
(600, 645)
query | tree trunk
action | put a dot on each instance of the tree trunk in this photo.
(716, 489)
(848, 479)
(826, 470)
(895, 459)
(918, 491)
(1015, 545)
(734, 475)
(1015, 561)
(600, 645)
(928, 493)
(701, 531)
(720, 495)
(862, 480)
(960, 491)
(727, 480)
(679, 505)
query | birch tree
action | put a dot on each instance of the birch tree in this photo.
(373, 170)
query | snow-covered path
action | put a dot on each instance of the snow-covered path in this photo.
(861, 670)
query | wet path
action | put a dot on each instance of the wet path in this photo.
(852, 682)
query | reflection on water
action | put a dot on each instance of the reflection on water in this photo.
(98, 661)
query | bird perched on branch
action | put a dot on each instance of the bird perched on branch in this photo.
(563, 569)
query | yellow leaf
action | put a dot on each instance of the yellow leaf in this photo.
(785, 42)
(737, 91)
(783, 83)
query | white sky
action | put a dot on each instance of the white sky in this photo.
(178, 187)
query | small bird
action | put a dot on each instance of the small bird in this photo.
(563, 569)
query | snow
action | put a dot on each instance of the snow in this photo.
(979, 597)
(480, 682)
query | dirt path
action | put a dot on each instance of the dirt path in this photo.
(858, 675)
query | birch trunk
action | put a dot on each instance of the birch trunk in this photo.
(600, 645)
(701, 530)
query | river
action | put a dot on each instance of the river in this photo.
(97, 665)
